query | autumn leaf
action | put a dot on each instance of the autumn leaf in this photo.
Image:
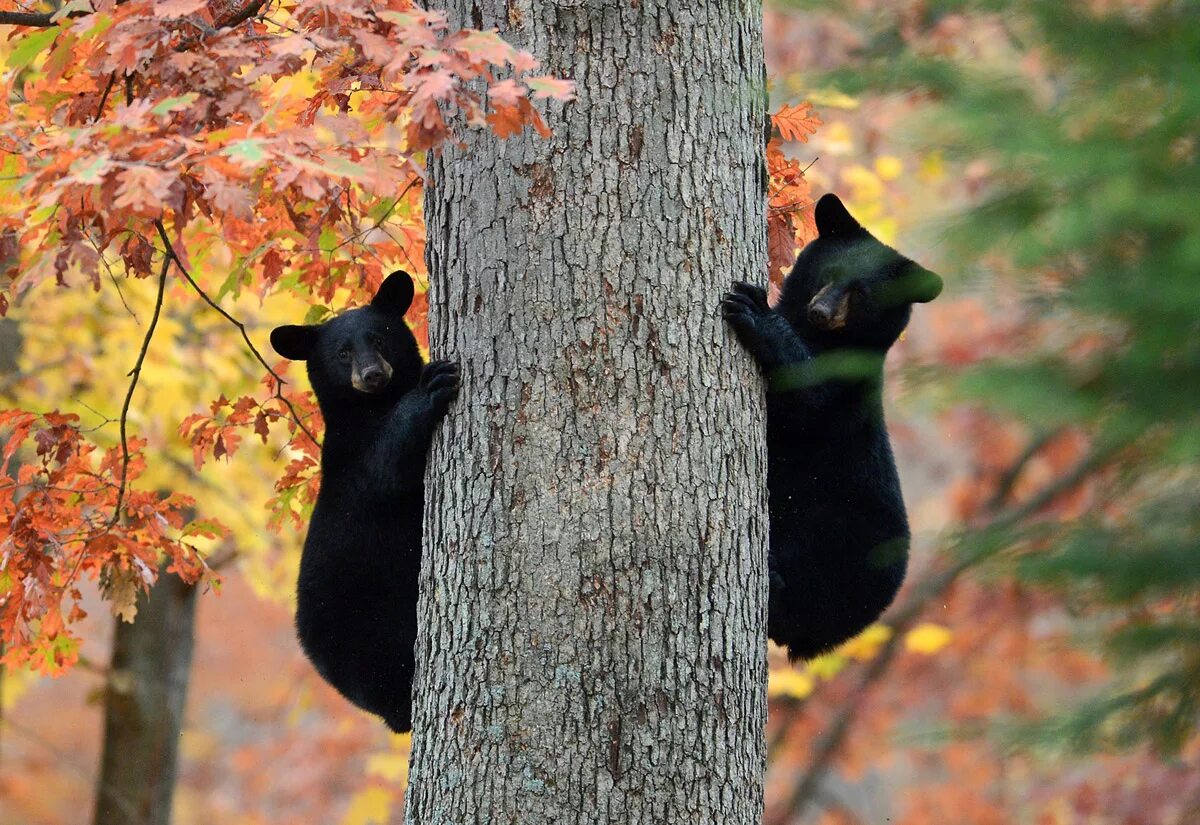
(487, 46)
(143, 189)
(797, 684)
(554, 87)
(927, 638)
(796, 122)
(178, 8)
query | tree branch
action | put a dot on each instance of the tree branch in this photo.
(135, 374)
(279, 382)
(902, 619)
(112, 78)
(1004, 486)
(35, 19)
(242, 16)
(44, 19)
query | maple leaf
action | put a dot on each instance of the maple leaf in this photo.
(796, 122)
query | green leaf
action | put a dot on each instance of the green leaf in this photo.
(205, 528)
(249, 152)
(170, 104)
(90, 170)
(328, 240)
(345, 168)
(241, 273)
(316, 313)
(30, 46)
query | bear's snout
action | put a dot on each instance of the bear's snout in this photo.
(372, 376)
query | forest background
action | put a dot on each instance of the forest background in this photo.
(1041, 665)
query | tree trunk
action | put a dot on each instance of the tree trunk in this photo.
(594, 583)
(143, 707)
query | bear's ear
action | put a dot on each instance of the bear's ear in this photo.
(833, 219)
(922, 285)
(293, 342)
(395, 294)
(912, 284)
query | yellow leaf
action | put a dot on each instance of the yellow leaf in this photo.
(827, 666)
(836, 138)
(392, 767)
(932, 168)
(888, 167)
(832, 99)
(794, 683)
(865, 645)
(370, 806)
(927, 638)
(865, 184)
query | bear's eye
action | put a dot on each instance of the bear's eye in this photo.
(344, 355)
(375, 340)
(858, 290)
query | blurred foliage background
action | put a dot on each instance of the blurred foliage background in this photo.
(1042, 664)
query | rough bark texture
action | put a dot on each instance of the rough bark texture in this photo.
(594, 580)
(143, 707)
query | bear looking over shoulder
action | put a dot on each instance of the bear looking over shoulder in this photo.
(839, 533)
(356, 598)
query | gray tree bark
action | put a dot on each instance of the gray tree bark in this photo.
(594, 582)
(143, 707)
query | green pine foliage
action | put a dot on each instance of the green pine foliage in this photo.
(1088, 115)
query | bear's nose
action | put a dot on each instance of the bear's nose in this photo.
(373, 378)
(820, 315)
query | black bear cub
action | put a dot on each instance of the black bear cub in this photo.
(839, 533)
(356, 600)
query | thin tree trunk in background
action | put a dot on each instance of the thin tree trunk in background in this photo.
(594, 582)
(143, 707)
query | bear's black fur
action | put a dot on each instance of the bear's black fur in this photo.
(356, 599)
(839, 533)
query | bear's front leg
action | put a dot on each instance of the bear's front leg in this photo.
(439, 383)
(400, 453)
(765, 334)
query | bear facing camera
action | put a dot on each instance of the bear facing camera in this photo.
(356, 598)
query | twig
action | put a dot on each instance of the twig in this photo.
(1004, 486)
(112, 78)
(904, 617)
(235, 19)
(279, 382)
(387, 214)
(135, 374)
(242, 16)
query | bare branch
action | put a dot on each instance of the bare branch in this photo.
(112, 78)
(242, 16)
(41, 20)
(1004, 486)
(135, 374)
(279, 382)
(44, 20)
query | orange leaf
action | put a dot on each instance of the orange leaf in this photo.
(796, 122)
